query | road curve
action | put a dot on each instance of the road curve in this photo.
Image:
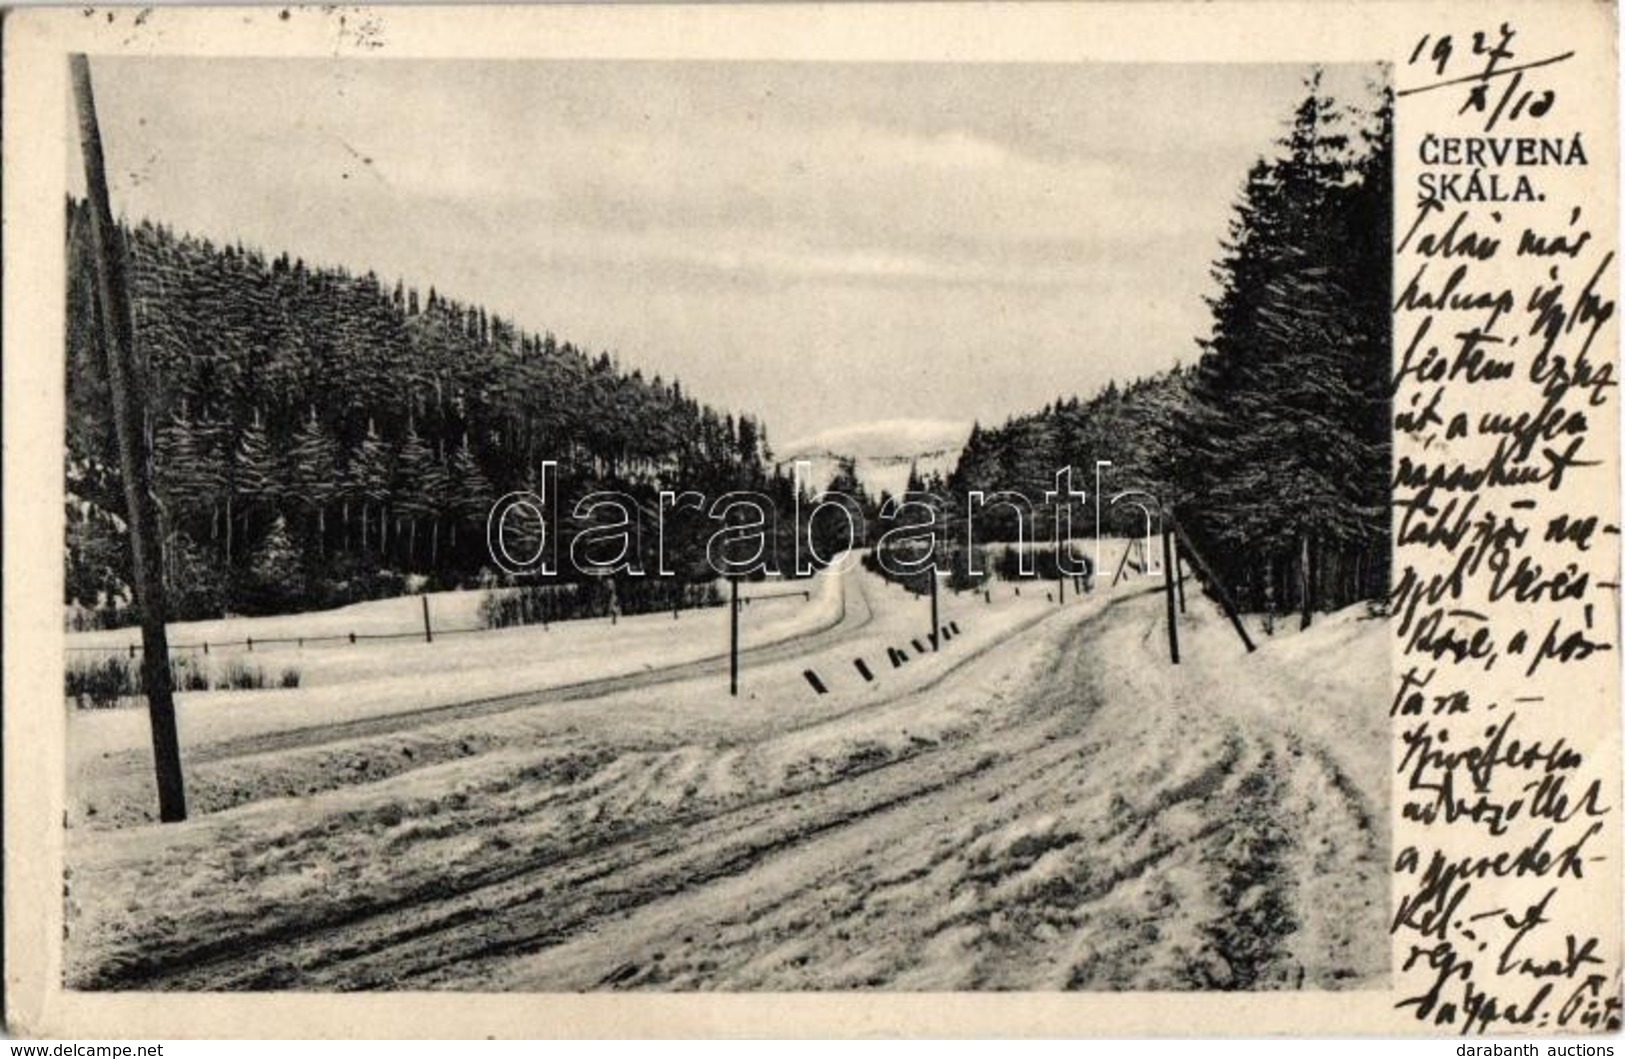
(855, 613)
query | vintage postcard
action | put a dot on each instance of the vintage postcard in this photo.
(897, 519)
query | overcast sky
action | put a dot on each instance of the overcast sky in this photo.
(820, 244)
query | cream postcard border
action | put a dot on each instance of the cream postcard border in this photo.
(36, 129)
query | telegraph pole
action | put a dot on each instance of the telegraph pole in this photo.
(117, 334)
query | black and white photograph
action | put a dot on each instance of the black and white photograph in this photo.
(799, 521)
(586, 525)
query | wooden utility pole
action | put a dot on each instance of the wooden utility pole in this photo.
(118, 345)
(1168, 585)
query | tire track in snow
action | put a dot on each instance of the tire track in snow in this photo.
(445, 906)
(1203, 882)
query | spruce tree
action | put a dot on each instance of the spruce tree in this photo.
(1284, 435)
(276, 571)
(368, 477)
(313, 471)
(471, 491)
(420, 485)
(255, 482)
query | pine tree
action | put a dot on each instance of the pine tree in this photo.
(276, 569)
(471, 491)
(197, 586)
(254, 478)
(1285, 431)
(420, 486)
(313, 471)
(188, 480)
(268, 371)
(368, 478)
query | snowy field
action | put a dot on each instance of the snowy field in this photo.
(1044, 803)
(340, 681)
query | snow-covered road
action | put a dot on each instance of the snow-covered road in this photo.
(1045, 804)
(249, 747)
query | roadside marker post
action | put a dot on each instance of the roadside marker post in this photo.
(1168, 591)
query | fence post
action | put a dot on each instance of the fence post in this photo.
(428, 633)
(733, 636)
(1168, 590)
(934, 632)
(1179, 568)
(1206, 571)
(1122, 563)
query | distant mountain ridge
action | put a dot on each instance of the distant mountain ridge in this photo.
(882, 461)
(882, 452)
